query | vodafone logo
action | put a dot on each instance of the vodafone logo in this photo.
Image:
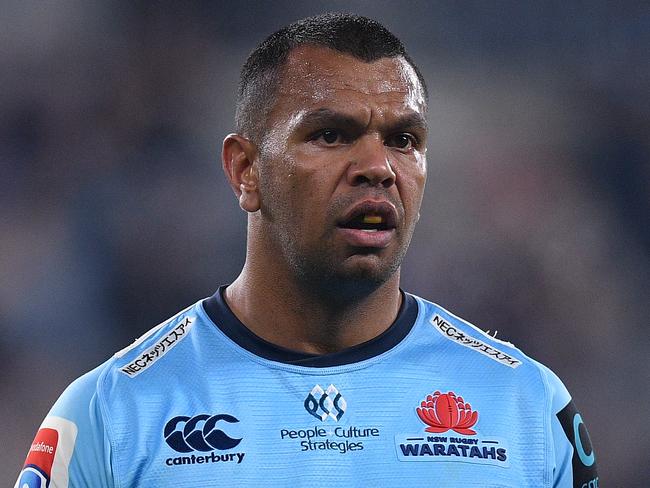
(42, 447)
(41, 453)
(49, 455)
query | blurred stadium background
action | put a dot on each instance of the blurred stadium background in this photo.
(114, 212)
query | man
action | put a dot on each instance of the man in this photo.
(313, 367)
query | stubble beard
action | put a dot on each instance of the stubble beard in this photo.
(348, 280)
(324, 273)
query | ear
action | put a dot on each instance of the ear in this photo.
(239, 156)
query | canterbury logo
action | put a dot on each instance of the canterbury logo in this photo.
(199, 433)
(325, 403)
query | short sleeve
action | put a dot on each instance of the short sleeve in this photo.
(71, 448)
(573, 455)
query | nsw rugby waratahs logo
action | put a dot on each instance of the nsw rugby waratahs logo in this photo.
(446, 411)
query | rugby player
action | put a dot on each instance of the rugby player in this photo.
(313, 368)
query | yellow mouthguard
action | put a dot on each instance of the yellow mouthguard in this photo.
(372, 219)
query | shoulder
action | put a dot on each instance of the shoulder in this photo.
(500, 364)
(151, 347)
(480, 348)
(146, 354)
(442, 323)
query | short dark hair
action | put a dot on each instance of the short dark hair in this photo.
(361, 37)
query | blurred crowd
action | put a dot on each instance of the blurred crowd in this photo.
(114, 213)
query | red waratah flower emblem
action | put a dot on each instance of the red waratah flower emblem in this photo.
(445, 411)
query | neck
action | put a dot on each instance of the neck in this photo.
(295, 317)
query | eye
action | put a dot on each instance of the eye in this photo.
(328, 136)
(401, 141)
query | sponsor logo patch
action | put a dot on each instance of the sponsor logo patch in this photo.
(203, 433)
(449, 414)
(326, 405)
(159, 349)
(453, 334)
(585, 473)
(41, 453)
(49, 455)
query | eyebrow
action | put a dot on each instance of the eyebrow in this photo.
(324, 117)
(412, 120)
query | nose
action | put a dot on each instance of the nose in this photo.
(369, 164)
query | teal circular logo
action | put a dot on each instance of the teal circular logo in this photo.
(587, 459)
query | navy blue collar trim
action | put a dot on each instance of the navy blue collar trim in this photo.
(220, 313)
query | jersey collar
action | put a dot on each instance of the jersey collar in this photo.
(223, 317)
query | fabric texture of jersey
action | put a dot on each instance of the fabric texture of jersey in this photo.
(200, 401)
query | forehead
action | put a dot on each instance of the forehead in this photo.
(315, 76)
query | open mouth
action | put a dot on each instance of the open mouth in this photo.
(370, 217)
(367, 222)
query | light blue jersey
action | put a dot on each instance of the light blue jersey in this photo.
(201, 401)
